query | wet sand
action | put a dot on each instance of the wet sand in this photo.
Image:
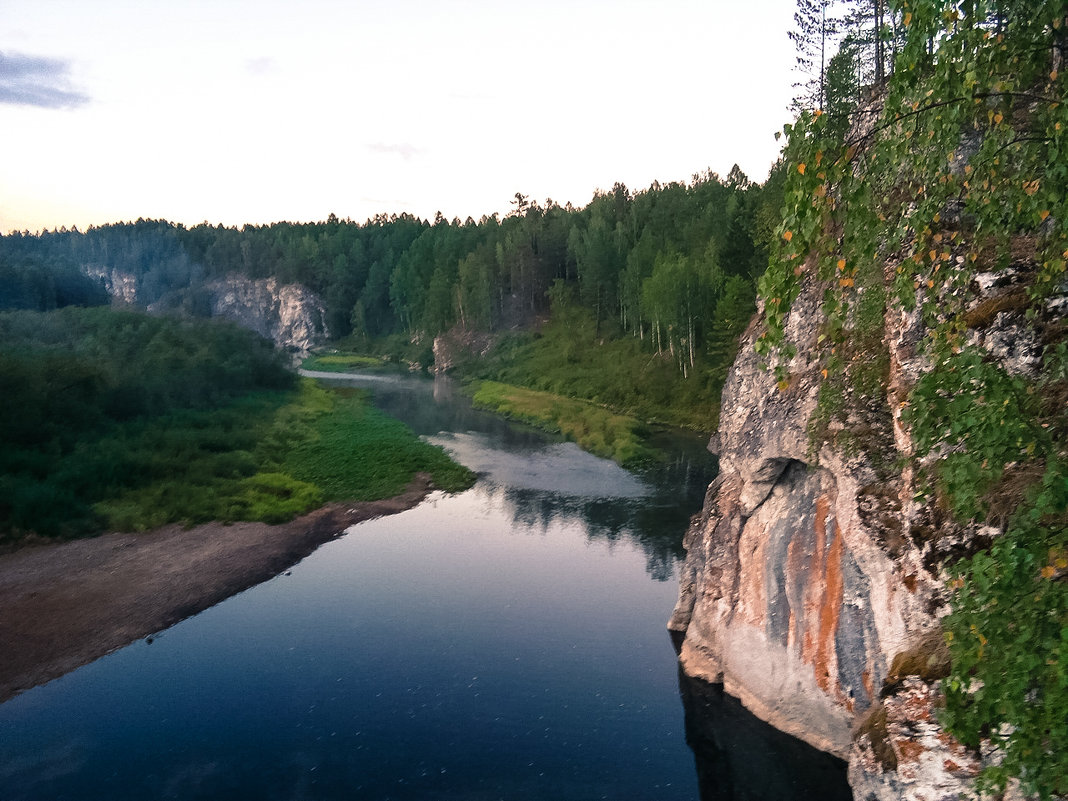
(64, 605)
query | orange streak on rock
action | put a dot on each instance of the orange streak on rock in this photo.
(814, 588)
(831, 602)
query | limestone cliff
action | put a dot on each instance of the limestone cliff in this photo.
(813, 583)
(290, 315)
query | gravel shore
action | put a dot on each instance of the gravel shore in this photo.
(64, 605)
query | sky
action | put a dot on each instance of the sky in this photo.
(235, 111)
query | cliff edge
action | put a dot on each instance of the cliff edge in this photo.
(814, 583)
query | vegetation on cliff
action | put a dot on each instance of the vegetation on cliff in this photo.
(953, 179)
(118, 420)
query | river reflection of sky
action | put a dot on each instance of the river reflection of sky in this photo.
(561, 468)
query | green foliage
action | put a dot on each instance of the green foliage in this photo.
(29, 282)
(591, 427)
(358, 453)
(403, 280)
(570, 359)
(1008, 635)
(109, 421)
(962, 169)
(980, 419)
(340, 362)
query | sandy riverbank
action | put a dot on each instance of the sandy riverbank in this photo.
(64, 605)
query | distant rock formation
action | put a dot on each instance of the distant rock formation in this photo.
(122, 286)
(288, 314)
(457, 345)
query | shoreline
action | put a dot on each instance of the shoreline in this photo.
(67, 604)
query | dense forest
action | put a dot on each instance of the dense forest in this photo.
(674, 265)
(117, 420)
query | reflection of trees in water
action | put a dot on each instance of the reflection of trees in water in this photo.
(655, 522)
(741, 758)
(656, 529)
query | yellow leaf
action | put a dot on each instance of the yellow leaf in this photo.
(788, 235)
(821, 190)
(801, 168)
(908, 18)
(930, 283)
(1048, 572)
(998, 118)
(841, 264)
(784, 385)
(1042, 215)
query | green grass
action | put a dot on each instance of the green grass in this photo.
(570, 359)
(269, 456)
(340, 362)
(591, 427)
(359, 453)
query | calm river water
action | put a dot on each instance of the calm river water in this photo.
(508, 642)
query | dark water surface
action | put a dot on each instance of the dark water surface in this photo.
(508, 642)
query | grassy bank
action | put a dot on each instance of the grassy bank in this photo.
(591, 427)
(269, 459)
(570, 358)
(340, 362)
(117, 420)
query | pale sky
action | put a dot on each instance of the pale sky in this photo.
(254, 111)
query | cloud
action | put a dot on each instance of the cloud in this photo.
(37, 81)
(403, 149)
(261, 66)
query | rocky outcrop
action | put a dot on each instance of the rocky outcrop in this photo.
(791, 597)
(812, 574)
(458, 345)
(288, 314)
(122, 286)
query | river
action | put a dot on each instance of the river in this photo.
(507, 642)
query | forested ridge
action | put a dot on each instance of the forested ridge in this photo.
(652, 264)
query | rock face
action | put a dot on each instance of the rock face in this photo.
(122, 286)
(459, 344)
(790, 597)
(288, 314)
(811, 574)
